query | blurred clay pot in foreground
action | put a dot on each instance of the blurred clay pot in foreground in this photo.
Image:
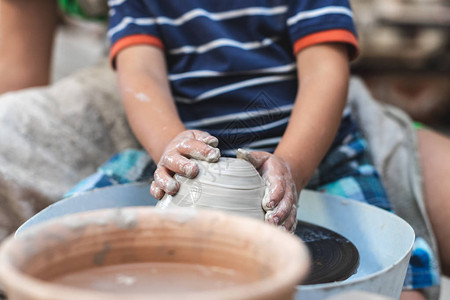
(131, 247)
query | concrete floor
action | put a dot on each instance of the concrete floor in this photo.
(80, 45)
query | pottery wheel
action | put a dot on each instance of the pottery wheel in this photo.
(334, 258)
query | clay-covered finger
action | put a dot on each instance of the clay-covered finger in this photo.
(282, 210)
(165, 181)
(156, 191)
(205, 137)
(291, 221)
(256, 158)
(198, 150)
(211, 141)
(180, 165)
(276, 190)
(200, 134)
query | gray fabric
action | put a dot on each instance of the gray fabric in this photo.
(52, 137)
(392, 140)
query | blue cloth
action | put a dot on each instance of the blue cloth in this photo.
(347, 169)
(238, 85)
(130, 165)
(423, 270)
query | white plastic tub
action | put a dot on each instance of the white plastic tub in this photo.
(384, 241)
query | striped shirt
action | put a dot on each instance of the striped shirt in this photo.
(231, 64)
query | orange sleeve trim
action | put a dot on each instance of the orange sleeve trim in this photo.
(132, 40)
(335, 35)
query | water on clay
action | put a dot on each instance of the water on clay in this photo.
(154, 277)
(334, 258)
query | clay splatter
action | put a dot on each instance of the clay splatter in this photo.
(100, 257)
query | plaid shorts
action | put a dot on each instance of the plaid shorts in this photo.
(345, 171)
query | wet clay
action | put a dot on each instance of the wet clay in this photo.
(154, 278)
(231, 185)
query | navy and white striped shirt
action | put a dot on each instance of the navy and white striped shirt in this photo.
(232, 67)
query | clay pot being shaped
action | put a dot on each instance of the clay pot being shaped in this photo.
(231, 185)
(148, 253)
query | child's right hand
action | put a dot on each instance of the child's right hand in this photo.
(188, 144)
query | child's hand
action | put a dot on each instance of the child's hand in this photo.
(280, 203)
(188, 144)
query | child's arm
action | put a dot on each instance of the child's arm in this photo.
(323, 73)
(154, 119)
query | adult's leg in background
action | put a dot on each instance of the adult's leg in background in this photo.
(434, 153)
(27, 28)
(412, 295)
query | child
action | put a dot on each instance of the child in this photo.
(232, 70)
(268, 76)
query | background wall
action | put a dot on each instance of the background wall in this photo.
(405, 55)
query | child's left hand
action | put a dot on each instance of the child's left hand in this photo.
(280, 203)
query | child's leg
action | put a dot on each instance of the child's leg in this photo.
(434, 151)
(26, 38)
(412, 295)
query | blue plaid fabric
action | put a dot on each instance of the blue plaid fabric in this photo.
(345, 171)
(130, 165)
(423, 270)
